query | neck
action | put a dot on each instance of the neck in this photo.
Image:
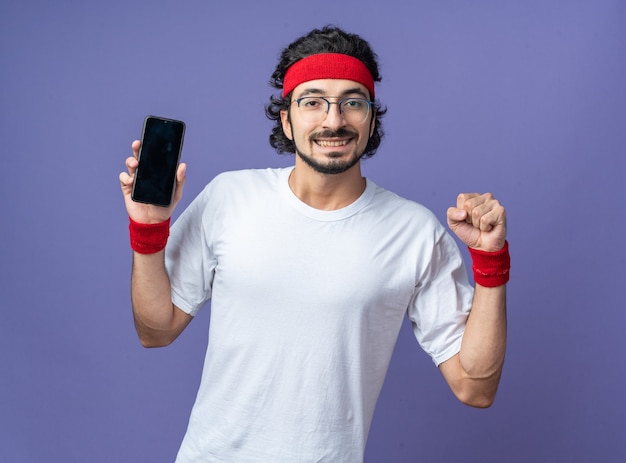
(326, 191)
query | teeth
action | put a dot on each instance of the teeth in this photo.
(332, 143)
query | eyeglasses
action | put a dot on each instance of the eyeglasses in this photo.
(315, 108)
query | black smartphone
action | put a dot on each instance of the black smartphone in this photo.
(161, 146)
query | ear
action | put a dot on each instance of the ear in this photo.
(373, 123)
(284, 119)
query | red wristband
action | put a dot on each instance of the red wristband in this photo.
(148, 238)
(491, 269)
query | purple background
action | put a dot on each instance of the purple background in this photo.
(526, 99)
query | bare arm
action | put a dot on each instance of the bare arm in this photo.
(157, 320)
(474, 373)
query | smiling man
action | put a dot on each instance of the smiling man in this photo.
(329, 134)
(310, 271)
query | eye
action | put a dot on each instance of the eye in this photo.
(311, 103)
(353, 103)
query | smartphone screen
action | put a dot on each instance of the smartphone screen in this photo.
(161, 145)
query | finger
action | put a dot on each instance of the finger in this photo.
(467, 202)
(131, 164)
(180, 181)
(475, 205)
(463, 198)
(477, 215)
(456, 215)
(494, 217)
(126, 181)
(181, 172)
(488, 215)
(135, 147)
(476, 200)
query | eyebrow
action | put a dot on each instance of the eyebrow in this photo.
(320, 92)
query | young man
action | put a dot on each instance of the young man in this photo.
(310, 271)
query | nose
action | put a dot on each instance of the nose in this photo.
(334, 117)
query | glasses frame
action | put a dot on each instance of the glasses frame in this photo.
(338, 103)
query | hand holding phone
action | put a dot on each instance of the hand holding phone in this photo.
(159, 155)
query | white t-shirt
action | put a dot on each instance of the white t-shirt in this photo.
(306, 306)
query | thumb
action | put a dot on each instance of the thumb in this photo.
(456, 215)
(181, 176)
(181, 172)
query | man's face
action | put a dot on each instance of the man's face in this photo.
(335, 143)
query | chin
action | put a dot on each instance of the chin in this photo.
(334, 166)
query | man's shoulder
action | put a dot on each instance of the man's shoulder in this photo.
(243, 180)
(392, 201)
(230, 188)
(249, 175)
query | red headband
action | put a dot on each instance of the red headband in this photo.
(327, 66)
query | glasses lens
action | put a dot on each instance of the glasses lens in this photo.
(354, 110)
(312, 109)
(315, 109)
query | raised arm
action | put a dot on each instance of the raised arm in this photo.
(474, 373)
(157, 320)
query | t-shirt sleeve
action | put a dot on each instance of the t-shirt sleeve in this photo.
(189, 260)
(442, 301)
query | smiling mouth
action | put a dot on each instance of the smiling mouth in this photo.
(332, 143)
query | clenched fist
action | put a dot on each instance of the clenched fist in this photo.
(479, 221)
